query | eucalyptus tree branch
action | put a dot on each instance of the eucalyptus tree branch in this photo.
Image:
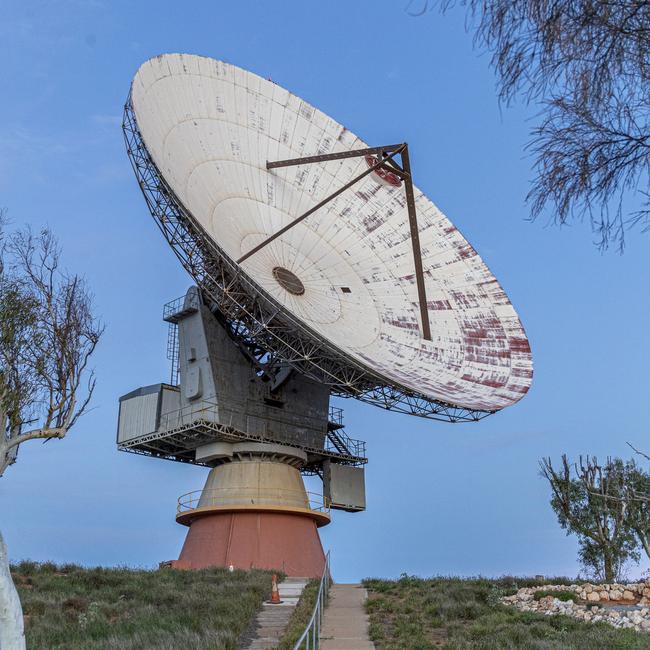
(47, 336)
(33, 434)
(637, 451)
(585, 66)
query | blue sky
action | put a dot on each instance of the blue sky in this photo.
(442, 499)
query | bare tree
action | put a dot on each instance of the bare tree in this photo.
(47, 336)
(586, 65)
(586, 499)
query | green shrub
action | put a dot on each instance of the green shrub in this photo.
(560, 595)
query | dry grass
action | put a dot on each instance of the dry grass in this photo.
(123, 609)
(454, 614)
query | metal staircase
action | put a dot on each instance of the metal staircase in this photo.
(338, 443)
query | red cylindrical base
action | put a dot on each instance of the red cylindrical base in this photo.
(261, 540)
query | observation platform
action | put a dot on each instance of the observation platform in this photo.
(209, 501)
(180, 432)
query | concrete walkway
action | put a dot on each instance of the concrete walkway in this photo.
(345, 624)
(271, 621)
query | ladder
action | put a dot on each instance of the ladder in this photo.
(172, 352)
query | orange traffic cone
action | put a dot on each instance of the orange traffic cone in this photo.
(275, 593)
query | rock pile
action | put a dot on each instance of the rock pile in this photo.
(638, 592)
(625, 606)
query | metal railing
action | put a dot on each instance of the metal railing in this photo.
(335, 416)
(337, 442)
(192, 412)
(175, 309)
(310, 638)
(234, 496)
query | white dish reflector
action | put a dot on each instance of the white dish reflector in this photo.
(347, 271)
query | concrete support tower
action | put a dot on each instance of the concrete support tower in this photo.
(254, 512)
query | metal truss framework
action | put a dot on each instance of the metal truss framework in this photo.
(257, 319)
(380, 160)
(180, 443)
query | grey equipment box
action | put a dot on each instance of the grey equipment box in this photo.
(141, 410)
(344, 486)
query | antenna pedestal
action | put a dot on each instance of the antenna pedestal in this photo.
(254, 512)
(258, 429)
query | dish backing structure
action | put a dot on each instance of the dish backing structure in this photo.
(320, 270)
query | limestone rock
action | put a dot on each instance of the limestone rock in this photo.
(636, 617)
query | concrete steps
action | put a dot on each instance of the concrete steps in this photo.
(345, 623)
(272, 620)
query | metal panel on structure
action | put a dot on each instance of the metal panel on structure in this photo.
(170, 404)
(344, 486)
(139, 411)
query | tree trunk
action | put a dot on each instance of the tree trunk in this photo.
(12, 634)
(4, 461)
(609, 568)
(4, 457)
(7, 457)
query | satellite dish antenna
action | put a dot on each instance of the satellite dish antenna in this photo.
(322, 262)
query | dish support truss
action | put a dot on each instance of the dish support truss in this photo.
(256, 319)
